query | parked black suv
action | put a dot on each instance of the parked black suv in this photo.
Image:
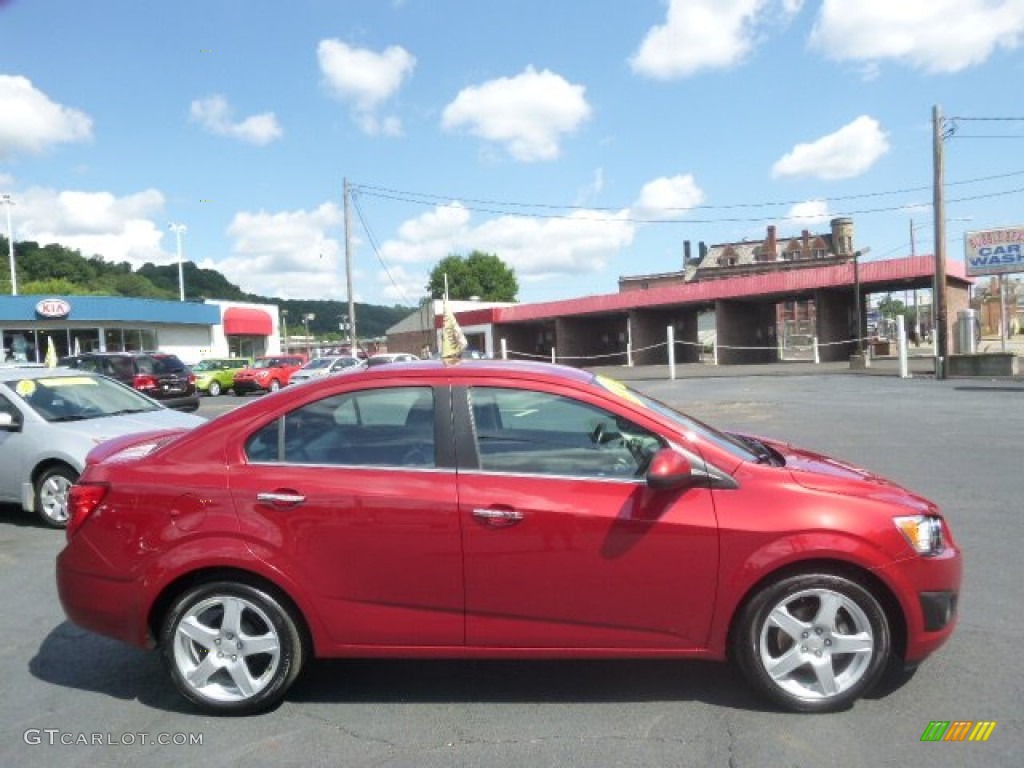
(160, 376)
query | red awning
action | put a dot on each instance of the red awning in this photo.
(239, 321)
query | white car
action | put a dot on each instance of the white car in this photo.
(325, 366)
(50, 418)
(390, 357)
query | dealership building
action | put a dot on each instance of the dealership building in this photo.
(191, 330)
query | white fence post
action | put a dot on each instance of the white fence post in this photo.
(671, 353)
(901, 339)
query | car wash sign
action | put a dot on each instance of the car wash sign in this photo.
(994, 251)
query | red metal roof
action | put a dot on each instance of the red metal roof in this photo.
(783, 282)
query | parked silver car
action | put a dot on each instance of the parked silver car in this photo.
(325, 366)
(50, 418)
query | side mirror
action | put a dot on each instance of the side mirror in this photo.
(8, 424)
(669, 470)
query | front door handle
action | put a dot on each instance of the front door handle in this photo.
(498, 518)
(280, 498)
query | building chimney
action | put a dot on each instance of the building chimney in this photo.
(686, 253)
(702, 250)
(807, 241)
(771, 244)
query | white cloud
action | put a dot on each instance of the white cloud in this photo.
(706, 34)
(808, 214)
(667, 198)
(215, 115)
(365, 79)
(288, 254)
(96, 223)
(31, 122)
(6, 181)
(528, 114)
(930, 35)
(848, 152)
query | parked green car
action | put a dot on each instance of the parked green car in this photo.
(217, 375)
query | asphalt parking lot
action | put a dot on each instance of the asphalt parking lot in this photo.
(957, 441)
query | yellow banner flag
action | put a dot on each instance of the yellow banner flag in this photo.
(51, 353)
(453, 340)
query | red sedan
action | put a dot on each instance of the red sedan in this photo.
(494, 509)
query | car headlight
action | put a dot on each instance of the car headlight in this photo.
(922, 532)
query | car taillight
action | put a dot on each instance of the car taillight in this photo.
(191, 378)
(82, 502)
(144, 381)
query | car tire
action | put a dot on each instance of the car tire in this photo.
(231, 648)
(51, 495)
(813, 642)
(274, 385)
(214, 389)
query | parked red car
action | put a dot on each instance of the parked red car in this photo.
(498, 509)
(267, 374)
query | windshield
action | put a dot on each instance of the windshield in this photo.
(266, 362)
(322, 362)
(686, 423)
(206, 365)
(77, 398)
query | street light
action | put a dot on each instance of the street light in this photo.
(10, 245)
(179, 230)
(305, 321)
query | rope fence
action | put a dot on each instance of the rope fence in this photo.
(714, 348)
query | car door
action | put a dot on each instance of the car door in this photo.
(353, 495)
(13, 453)
(565, 545)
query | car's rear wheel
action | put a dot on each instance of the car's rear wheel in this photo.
(813, 642)
(231, 648)
(51, 491)
(214, 389)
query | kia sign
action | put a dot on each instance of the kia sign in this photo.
(53, 308)
(994, 251)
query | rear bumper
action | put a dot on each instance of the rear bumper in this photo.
(103, 605)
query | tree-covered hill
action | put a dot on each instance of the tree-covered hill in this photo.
(57, 270)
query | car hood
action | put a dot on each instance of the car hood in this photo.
(819, 472)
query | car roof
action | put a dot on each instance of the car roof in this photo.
(17, 373)
(521, 369)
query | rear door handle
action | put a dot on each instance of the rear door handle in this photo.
(280, 498)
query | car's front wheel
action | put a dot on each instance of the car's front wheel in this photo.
(214, 389)
(51, 495)
(274, 385)
(813, 642)
(231, 648)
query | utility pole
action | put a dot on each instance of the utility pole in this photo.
(8, 202)
(939, 213)
(348, 277)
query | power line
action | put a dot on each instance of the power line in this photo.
(376, 250)
(426, 198)
(433, 201)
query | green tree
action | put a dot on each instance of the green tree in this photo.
(479, 275)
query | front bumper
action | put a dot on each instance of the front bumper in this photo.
(928, 589)
(245, 386)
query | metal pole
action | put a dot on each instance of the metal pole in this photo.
(671, 353)
(901, 340)
(856, 303)
(10, 245)
(939, 211)
(352, 336)
(178, 230)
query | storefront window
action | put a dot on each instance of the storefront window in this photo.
(19, 346)
(84, 340)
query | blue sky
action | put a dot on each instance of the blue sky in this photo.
(577, 141)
